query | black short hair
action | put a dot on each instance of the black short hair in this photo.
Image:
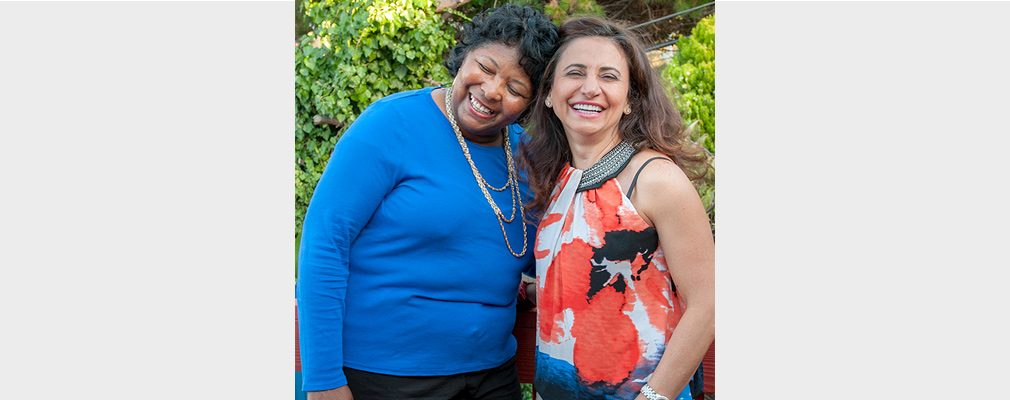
(527, 29)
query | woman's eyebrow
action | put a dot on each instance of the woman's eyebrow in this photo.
(492, 61)
(603, 68)
(607, 68)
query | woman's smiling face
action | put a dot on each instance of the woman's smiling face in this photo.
(490, 91)
(590, 90)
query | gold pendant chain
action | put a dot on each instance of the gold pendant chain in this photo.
(511, 182)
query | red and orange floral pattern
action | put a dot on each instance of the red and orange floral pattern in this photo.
(606, 303)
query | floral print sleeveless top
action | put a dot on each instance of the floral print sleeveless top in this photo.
(606, 305)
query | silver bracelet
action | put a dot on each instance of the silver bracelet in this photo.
(651, 394)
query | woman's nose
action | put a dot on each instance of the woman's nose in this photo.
(494, 89)
(590, 87)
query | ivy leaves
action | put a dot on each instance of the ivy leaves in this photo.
(357, 52)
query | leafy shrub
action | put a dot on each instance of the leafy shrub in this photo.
(556, 10)
(355, 53)
(691, 73)
(562, 9)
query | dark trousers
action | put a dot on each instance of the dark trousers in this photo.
(499, 383)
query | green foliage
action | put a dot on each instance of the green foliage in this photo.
(680, 5)
(355, 53)
(691, 73)
(562, 9)
(557, 10)
(473, 7)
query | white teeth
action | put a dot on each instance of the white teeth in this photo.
(477, 106)
(588, 108)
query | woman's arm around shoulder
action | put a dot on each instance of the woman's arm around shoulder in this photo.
(670, 203)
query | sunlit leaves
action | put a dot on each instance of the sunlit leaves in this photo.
(356, 53)
(691, 73)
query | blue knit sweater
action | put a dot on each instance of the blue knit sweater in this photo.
(403, 268)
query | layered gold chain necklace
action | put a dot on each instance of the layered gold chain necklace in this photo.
(512, 183)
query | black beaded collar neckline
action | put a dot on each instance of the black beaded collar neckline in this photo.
(607, 167)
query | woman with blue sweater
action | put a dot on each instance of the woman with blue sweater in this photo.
(414, 241)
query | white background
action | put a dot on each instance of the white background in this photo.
(862, 200)
(147, 218)
(148, 197)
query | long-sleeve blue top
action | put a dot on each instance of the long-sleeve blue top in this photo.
(403, 268)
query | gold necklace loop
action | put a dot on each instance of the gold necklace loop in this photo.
(511, 183)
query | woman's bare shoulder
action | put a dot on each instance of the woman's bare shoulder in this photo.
(662, 174)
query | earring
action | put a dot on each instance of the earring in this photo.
(547, 103)
(627, 111)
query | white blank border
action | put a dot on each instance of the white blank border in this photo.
(862, 199)
(148, 199)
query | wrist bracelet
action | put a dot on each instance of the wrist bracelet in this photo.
(651, 394)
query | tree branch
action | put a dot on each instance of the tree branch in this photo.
(320, 119)
(432, 82)
(453, 4)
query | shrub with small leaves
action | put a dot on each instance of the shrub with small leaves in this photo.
(691, 73)
(355, 53)
(560, 10)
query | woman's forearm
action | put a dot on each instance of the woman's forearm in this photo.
(340, 393)
(683, 354)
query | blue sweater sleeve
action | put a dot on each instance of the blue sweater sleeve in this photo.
(361, 171)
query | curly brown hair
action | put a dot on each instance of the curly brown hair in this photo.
(655, 124)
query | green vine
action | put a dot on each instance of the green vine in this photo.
(357, 52)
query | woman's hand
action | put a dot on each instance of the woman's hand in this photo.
(340, 393)
(531, 292)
